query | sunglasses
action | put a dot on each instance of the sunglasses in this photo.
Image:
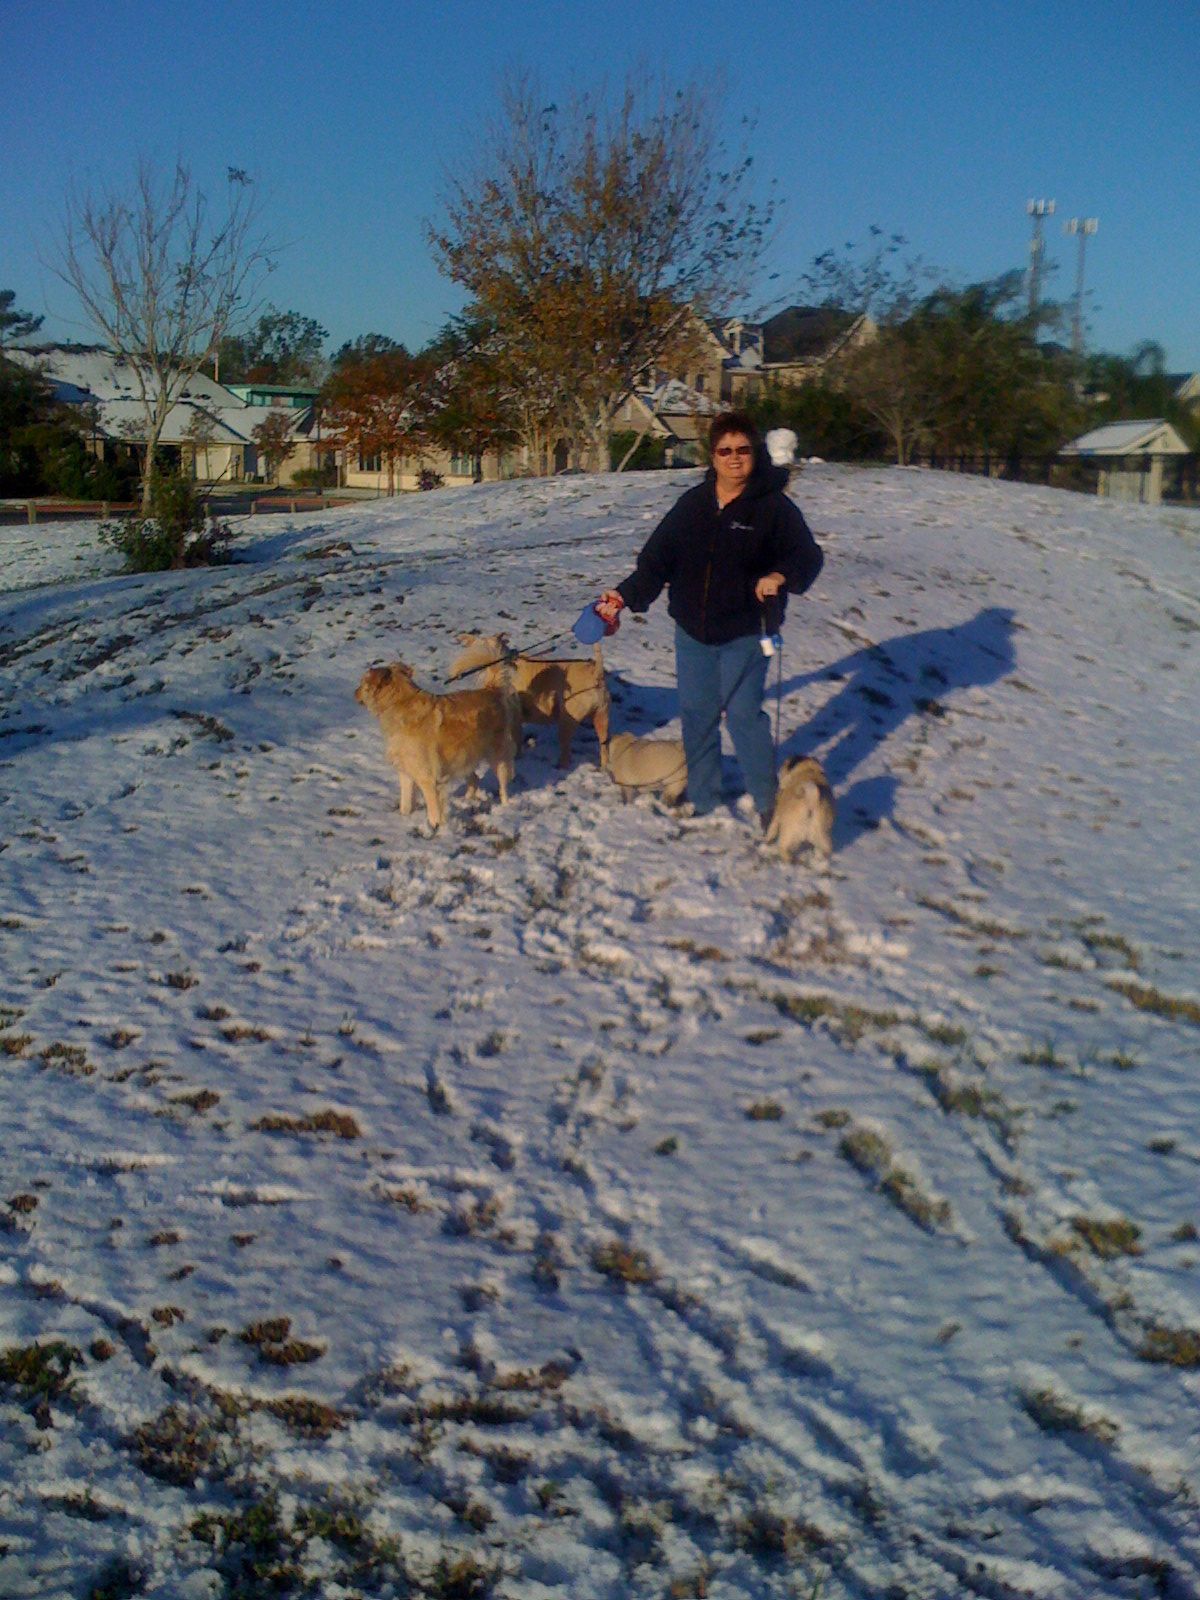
(734, 450)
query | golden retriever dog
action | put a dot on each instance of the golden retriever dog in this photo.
(804, 809)
(566, 693)
(645, 765)
(434, 740)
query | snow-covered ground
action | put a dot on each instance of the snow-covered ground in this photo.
(582, 1202)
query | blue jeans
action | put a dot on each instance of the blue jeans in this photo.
(729, 678)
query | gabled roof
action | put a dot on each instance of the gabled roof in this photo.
(82, 374)
(126, 418)
(1149, 436)
(106, 377)
(805, 333)
(678, 398)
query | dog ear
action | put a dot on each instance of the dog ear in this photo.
(467, 638)
(502, 640)
(792, 761)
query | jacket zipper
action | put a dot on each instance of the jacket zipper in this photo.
(712, 550)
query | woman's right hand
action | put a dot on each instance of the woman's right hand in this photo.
(609, 606)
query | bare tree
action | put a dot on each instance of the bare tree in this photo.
(589, 237)
(161, 274)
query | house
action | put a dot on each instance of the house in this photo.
(798, 345)
(210, 427)
(1130, 457)
(274, 394)
(672, 411)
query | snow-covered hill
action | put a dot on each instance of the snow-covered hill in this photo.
(582, 1202)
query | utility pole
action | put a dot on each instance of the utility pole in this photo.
(1083, 228)
(1038, 210)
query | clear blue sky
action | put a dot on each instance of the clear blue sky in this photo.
(931, 119)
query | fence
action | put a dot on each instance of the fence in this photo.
(34, 511)
(1181, 479)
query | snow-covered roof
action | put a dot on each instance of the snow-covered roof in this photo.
(81, 375)
(675, 396)
(126, 418)
(1149, 436)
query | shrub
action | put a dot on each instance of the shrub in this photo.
(171, 534)
(73, 471)
(315, 478)
(649, 456)
(427, 478)
(826, 418)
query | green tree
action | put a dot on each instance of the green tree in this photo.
(964, 373)
(364, 348)
(473, 407)
(1126, 388)
(997, 390)
(14, 324)
(282, 347)
(826, 418)
(41, 441)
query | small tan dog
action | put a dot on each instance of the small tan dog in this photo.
(434, 740)
(642, 765)
(804, 809)
(565, 693)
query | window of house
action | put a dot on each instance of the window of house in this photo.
(462, 466)
(371, 463)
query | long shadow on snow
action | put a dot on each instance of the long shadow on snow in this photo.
(886, 683)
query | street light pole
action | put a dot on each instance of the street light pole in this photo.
(1038, 210)
(1083, 228)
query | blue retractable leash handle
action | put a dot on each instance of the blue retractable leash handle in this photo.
(590, 627)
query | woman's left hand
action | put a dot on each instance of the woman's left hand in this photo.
(768, 586)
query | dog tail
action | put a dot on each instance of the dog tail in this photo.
(773, 827)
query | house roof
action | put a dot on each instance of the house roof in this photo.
(83, 374)
(125, 418)
(805, 333)
(678, 398)
(1148, 436)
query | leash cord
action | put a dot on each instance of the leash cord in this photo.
(778, 694)
(510, 654)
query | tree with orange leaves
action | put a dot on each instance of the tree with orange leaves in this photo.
(378, 404)
(590, 237)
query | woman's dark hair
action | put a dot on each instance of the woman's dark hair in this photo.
(732, 422)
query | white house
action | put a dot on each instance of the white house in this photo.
(209, 427)
(1130, 457)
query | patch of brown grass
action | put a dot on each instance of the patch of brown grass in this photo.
(1146, 998)
(622, 1263)
(271, 1338)
(340, 1123)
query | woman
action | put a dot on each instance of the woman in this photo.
(729, 551)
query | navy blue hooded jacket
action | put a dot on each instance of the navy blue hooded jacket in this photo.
(710, 559)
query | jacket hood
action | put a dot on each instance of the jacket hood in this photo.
(766, 478)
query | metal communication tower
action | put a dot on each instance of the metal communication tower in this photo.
(1083, 228)
(1038, 210)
